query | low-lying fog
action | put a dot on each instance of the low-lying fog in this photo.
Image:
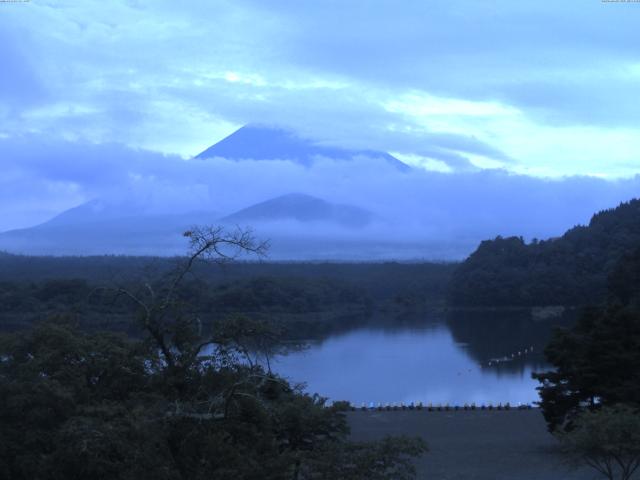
(361, 207)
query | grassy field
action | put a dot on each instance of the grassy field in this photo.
(475, 445)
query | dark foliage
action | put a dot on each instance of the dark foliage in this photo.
(308, 300)
(78, 406)
(598, 361)
(426, 281)
(607, 440)
(570, 270)
(179, 402)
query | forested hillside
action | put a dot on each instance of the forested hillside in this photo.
(569, 270)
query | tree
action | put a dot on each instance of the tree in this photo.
(179, 337)
(596, 363)
(256, 339)
(568, 270)
(608, 440)
(389, 459)
(624, 280)
(173, 404)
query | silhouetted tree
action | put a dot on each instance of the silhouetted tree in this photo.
(608, 440)
(175, 404)
(597, 363)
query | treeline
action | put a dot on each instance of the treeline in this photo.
(569, 270)
(291, 302)
(305, 299)
(427, 281)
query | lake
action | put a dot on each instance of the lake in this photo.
(455, 358)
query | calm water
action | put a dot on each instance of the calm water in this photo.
(462, 358)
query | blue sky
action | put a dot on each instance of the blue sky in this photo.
(548, 89)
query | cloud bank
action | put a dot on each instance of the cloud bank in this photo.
(526, 86)
(413, 208)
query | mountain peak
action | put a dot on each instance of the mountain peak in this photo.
(302, 208)
(260, 142)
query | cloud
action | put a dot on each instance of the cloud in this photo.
(464, 49)
(547, 90)
(42, 178)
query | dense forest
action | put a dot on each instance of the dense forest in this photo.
(569, 270)
(305, 299)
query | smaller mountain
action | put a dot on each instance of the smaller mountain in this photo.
(89, 212)
(95, 228)
(257, 142)
(302, 208)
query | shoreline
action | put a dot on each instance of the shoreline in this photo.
(439, 407)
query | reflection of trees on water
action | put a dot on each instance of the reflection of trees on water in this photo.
(390, 322)
(495, 334)
(424, 320)
(485, 335)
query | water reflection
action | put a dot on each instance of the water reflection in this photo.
(496, 334)
(440, 359)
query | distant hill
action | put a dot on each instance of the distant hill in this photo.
(94, 211)
(258, 142)
(298, 227)
(90, 229)
(302, 208)
(569, 270)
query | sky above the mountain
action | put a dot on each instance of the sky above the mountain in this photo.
(547, 89)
